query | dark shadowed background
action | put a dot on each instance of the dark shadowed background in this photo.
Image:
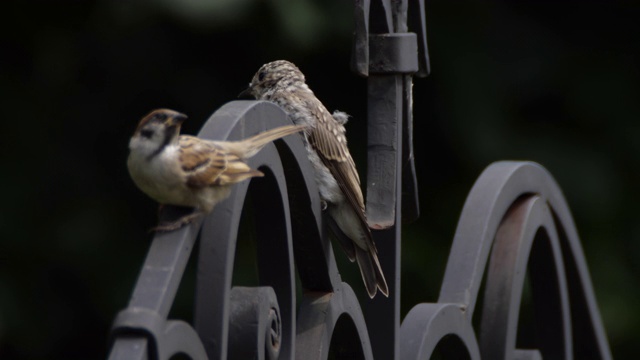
(554, 83)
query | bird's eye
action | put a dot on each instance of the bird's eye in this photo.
(160, 116)
(261, 76)
(146, 133)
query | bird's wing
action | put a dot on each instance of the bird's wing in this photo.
(329, 140)
(206, 163)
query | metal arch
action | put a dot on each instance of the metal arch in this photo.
(313, 252)
(520, 205)
(321, 314)
(526, 238)
(141, 331)
(238, 120)
(319, 271)
(181, 338)
(487, 203)
(490, 198)
(312, 249)
(386, 53)
(426, 325)
(138, 329)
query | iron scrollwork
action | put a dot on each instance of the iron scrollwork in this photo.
(290, 222)
(515, 221)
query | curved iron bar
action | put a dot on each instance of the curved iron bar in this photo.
(313, 252)
(139, 330)
(526, 237)
(218, 241)
(332, 319)
(140, 333)
(492, 195)
(515, 218)
(427, 325)
(520, 206)
(255, 327)
(290, 222)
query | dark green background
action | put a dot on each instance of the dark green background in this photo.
(553, 83)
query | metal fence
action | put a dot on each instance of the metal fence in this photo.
(515, 222)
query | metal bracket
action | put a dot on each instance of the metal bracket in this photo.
(388, 53)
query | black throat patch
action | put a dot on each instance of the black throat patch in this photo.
(168, 135)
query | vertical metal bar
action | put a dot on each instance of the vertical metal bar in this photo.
(384, 179)
(410, 200)
(360, 52)
(384, 136)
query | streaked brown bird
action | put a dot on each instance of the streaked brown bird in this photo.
(184, 170)
(284, 84)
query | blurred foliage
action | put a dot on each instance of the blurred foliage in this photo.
(552, 83)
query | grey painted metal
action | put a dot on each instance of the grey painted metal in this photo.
(133, 346)
(499, 186)
(384, 123)
(383, 178)
(237, 120)
(289, 222)
(162, 340)
(410, 202)
(519, 243)
(417, 21)
(527, 355)
(383, 46)
(515, 220)
(427, 326)
(145, 317)
(360, 50)
(332, 320)
(388, 54)
(314, 257)
(255, 329)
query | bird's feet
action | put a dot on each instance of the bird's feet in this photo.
(175, 225)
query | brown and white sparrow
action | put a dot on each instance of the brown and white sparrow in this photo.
(339, 184)
(184, 170)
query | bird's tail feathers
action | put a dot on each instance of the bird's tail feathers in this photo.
(233, 177)
(347, 244)
(255, 143)
(371, 272)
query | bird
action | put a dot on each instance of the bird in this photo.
(282, 83)
(185, 170)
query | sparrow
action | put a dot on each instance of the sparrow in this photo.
(185, 170)
(281, 82)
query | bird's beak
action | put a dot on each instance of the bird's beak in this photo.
(177, 120)
(246, 93)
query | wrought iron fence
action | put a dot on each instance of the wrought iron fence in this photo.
(515, 221)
